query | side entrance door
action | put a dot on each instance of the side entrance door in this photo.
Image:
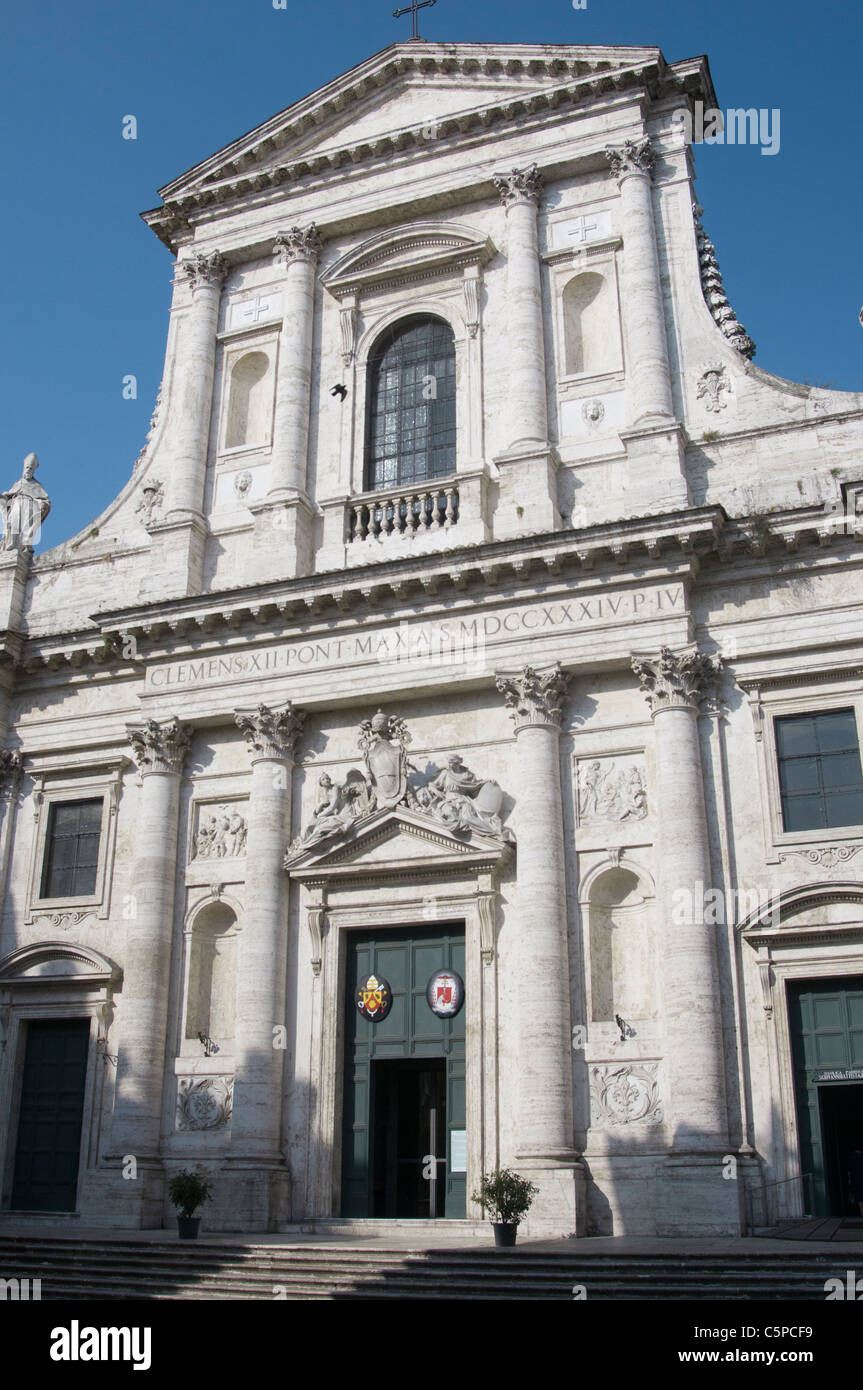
(403, 1136)
(50, 1116)
(826, 1022)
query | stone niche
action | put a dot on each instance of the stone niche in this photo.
(211, 974)
(622, 938)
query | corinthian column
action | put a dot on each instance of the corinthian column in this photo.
(194, 369)
(298, 249)
(159, 750)
(675, 683)
(527, 403)
(544, 1136)
(256, 1124)
(648, 378)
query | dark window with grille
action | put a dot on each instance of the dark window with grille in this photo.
(819, 770)
(410, 428)
(72, 849)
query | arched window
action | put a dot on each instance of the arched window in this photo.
(410, 418)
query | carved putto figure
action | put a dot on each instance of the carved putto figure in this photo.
(222, 836)
(25, 507)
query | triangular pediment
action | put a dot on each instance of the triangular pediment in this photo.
(400, 92)
(400, 840)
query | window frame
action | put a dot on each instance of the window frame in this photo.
(412, 319)
(772, 698)
(822, 792)
(53, 838)
(57, 790)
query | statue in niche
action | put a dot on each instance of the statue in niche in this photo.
(462, 801)
(25, 507)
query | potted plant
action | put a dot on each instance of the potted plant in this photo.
(507, 1198)
(187, 1192)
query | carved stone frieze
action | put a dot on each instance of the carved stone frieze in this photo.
(623, 1093)
(63, 920)
(205, 270)
(204, 1102)
(674, 679)
(159, 747)
(535, 696)
(826, 857)
(271, 733)
(298, 244)
(519, 186)
(611, 790)
(632, 157)
(221, 833)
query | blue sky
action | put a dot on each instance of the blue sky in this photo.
(86, 285)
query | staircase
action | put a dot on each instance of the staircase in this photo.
(163, 1269)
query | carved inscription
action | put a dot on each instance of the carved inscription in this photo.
(384, 644)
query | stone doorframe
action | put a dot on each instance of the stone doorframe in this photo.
(56, 980)
(457, 884)
(789, 951)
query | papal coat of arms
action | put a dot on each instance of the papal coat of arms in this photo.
(374, 997)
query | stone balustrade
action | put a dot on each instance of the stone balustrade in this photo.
(406, 512)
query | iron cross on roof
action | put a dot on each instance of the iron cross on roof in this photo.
(413, 10)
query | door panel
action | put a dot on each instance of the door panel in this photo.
(410, 1032)
(51, 1112)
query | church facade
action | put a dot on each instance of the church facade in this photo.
(444, 752)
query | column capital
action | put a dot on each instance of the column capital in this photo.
(11, 768)
(271, 733)
(298, 244)
(677, 680)
(209, 271)
(632, 157)
(519, 186)
(535, 696)
(159, 747)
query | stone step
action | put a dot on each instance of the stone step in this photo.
(154, 1270)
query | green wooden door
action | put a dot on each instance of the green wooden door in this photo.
(384, 1067)
(49, 1126)
(826, 1022)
